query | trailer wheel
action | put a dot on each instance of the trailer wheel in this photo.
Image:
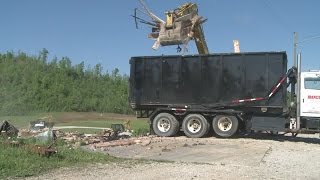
(165, 124)
(195, 126)
(225, 126)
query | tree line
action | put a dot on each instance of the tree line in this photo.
(35, 84)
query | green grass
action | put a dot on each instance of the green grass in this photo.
(21, 121)
(135, 124)
(19, 162)
(78, 119)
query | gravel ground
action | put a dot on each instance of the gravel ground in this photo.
(240, 158)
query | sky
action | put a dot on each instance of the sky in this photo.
(102, 31)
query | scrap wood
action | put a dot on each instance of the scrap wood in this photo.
(143, 141)
(123, 142)
(94, 140)
(41, 150)
(26, 133)
(114, 143)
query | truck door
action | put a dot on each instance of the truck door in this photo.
(310, 94)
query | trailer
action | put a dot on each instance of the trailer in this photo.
(226, 93)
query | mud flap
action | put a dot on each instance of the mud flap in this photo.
(268, 123)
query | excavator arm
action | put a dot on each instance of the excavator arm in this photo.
(200, 40)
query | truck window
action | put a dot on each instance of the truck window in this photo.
(312, 83)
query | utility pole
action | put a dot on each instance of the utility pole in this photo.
(295, 44)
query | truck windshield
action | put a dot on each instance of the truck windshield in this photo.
(312, 83)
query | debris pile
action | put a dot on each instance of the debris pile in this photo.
(42, 131)
(42, 135)
(85, 139)
(8, 129)
(103, 146)
(40, 125)
(73, 139)
(76, 139)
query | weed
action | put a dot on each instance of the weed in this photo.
(141, 132)
(19, 162)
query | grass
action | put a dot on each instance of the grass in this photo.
(135, 124)
(19, 162)
(21, 121)
(79, 119)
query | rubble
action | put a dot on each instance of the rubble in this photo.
(143, 141)
(108, 137)
(125, 142)
(105, 137)
(8, 129)
(41, 134)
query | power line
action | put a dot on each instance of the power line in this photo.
(308, 39)
(312, 36)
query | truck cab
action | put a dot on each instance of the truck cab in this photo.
(310, 99)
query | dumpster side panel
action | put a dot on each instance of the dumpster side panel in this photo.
(207, 80)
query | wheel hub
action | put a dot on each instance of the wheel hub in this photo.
(194, 125)
(164, 125)
(224, 124)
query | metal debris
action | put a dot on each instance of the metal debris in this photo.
(8, 129)
(40, 125)
(182, 25)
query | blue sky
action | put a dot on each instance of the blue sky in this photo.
(102, 31)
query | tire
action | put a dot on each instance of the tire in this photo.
(225, 126)
(195, 126)
(165, 124)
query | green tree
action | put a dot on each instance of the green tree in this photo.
(31, 83)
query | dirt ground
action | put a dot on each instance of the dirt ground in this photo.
(250, 157)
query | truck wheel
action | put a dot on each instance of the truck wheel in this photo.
(225, 126)
(195, 126)
(165, 124)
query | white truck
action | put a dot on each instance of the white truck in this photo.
(309, 98)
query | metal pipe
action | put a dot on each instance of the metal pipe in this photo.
(295, 43)
(298, 90)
